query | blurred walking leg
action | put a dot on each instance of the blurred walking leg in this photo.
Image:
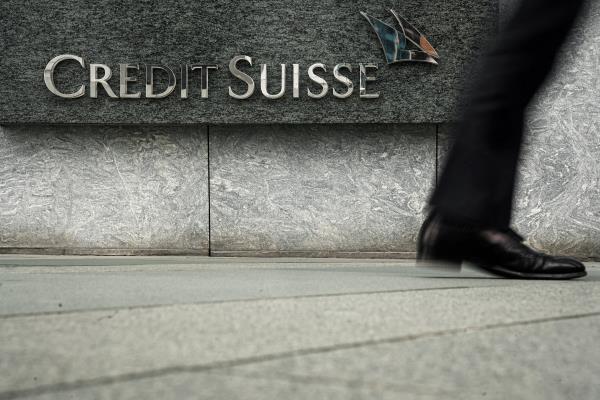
(477, 183)
(472, 204)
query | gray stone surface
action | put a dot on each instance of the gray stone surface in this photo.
(81, 283)
(174, 32)
(103, 187)
(334, 188)
(525, 362)
(521, 339)
(521, 362)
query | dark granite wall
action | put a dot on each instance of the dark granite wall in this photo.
(176, 32)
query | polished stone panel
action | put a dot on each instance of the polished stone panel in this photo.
(103, 187)
(321, 189)
(176, 32)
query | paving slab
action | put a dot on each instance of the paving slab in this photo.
(543, 360)
(82, 348)
(262, 313)
(548, 360)
(41, 285)
(199, 386)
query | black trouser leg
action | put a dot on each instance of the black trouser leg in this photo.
(478, 180)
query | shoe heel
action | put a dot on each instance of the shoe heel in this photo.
(427, 259)
(437, 265)
(429, 256)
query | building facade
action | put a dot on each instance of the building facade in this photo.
(291, 169)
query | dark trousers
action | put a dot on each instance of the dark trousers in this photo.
(477, 183)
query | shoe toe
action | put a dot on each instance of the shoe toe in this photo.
(564, 264)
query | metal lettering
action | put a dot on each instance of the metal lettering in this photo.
(94, 80)
(263, 82)
(124, 78)
(317, 79)
(204, 68)
(49, 76)
(364, 78)
(295, 80)
(150, 81)
(242, 76)
(344, 79)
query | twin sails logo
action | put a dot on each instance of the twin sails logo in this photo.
(395, 43)
(137, 80)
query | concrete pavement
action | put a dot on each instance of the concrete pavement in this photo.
(230, 328)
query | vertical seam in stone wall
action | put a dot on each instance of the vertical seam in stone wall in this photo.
(208, 184)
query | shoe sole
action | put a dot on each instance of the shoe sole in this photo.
(450, 266)
(497, 270)
(500, 271)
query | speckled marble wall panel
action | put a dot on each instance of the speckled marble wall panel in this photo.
(120, 187)
(557, 205)
(314, 188)
(173, 32)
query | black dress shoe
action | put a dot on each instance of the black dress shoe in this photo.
(501, 252)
